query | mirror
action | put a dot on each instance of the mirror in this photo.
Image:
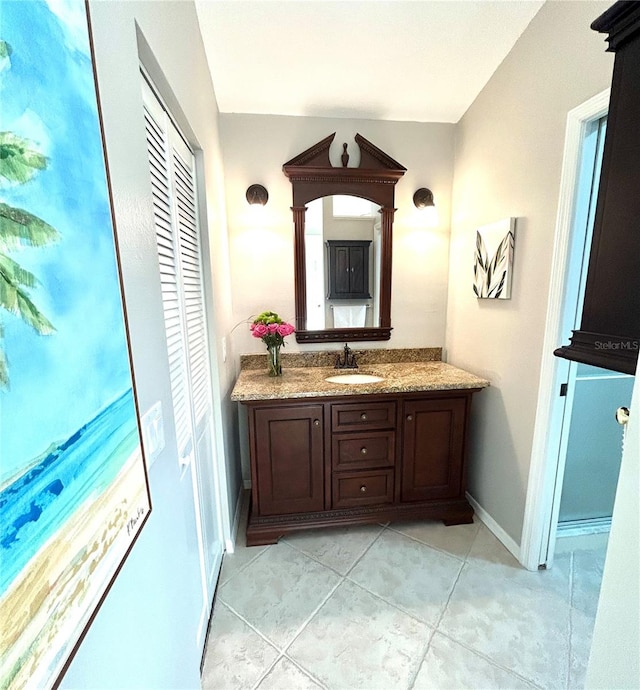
(342, 239)
(343, 220)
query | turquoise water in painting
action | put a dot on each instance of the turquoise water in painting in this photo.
(37, 504)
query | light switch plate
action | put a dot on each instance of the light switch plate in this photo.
(153, 433)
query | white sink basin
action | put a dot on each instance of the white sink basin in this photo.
(354, 378)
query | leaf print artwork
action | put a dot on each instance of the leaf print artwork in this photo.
(493, 264)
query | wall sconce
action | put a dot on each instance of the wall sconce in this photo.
(423, 201)
(257, 194)
(423, 198)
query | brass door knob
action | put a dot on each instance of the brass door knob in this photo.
(363, 451)
(316, 422)
(363, 489)
(409, 417)
(363, 416)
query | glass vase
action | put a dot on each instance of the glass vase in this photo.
(274, 365)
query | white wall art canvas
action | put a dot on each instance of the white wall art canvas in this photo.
(493, 262)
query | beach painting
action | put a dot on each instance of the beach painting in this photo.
(73, 486)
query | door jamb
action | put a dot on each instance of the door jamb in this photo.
(548, 425)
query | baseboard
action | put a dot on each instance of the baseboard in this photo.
(507, 541)
(231, 543)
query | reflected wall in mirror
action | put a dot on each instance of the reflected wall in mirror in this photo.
(343, 220)
(342, 238)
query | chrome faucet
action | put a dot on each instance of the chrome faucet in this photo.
(348, 360)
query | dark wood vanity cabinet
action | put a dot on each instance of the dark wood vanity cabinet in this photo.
(609, 334)
(357, 459)
(348, 269)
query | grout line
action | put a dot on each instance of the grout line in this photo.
(317, 560)
(267, 671)
(305, 671)
(276, 646)
(491, 661)
(248, 563)
(472, 649)
(365, 552)
(435, 628)
(423, 656)
(462, 559)
(313, 613)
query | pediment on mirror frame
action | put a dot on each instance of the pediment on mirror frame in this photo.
(317, 156)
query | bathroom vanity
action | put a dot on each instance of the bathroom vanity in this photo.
(329, 453)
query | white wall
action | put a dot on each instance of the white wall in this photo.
(144, 634)
(508, 160)
(261, 246)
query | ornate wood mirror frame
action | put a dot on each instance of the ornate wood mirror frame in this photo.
(313, 177)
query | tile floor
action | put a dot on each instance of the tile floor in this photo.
(401, 606)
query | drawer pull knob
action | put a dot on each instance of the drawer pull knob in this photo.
(316, 422)
(363, 489)
(363, 416)
(409, 417)
(363, 451)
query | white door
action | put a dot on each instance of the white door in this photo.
(173, 180)
(614, 661)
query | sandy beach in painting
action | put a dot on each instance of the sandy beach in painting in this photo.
(46, 608)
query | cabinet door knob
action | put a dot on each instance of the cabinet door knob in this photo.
(363, 489)
(316, 422)
(409, 417)
(363, 451)
(363, 416)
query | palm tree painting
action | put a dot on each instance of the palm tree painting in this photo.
(19, 161)
(493, 263)
(73, 485)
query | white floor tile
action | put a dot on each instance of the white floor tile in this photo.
(450, 666)
(488, 552)
(278, 591)
(518, 628)
(409, 575)
(587, 576)
(338, 548)
(236, 655)
(455, 540)
(357, 641)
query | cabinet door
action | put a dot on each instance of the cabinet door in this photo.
(289, 459)
(358, 281)
(341, 272)
(433, 449)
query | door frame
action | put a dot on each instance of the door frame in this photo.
(536, 548)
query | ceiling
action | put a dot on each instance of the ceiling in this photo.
(414, 60)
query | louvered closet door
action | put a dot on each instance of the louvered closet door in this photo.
(173, 180)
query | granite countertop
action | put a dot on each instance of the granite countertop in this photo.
(309, 382)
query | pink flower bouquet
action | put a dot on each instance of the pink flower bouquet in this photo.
(272, 330)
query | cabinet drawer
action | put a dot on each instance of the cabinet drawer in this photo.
(362, 488)
(363, 451)
(354, 416)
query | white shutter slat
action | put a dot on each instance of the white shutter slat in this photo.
(159, 170)
(191, 271)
